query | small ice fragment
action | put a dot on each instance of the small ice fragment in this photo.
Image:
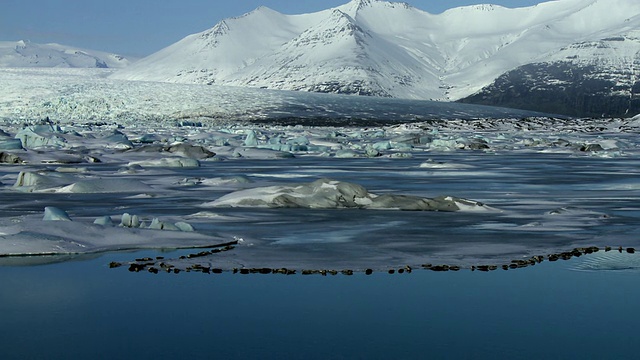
(170, 227)
(126, 220)
(156, 224)
(104, 221)
(183, 226)
(55, 214)
(135, 221)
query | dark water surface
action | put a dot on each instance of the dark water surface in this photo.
(83, 309)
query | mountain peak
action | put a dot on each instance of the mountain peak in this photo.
(385, 47)
(354, 6)
(362, 3)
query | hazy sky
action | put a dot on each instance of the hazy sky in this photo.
(141, 27)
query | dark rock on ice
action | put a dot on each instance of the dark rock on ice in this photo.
(8, 158)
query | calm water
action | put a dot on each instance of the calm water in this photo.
(84, 309)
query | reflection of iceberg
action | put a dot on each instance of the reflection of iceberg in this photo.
(331, 194)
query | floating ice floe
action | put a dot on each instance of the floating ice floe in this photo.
(133, 221)
(93, 186)
(28, 236)
(332, 194)
(116, 140)
(167, 162)
(35, 238)
(431, 164)
(29, 181)
(190, 151)
(65, 182)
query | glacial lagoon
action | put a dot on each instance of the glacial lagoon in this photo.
(173, 228)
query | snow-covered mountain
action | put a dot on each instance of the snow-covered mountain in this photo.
(591, 78)
(27, 54)
(381, 48)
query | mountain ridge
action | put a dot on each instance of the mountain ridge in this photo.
(27, 54)
(392, 49)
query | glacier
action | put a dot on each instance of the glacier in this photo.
(91, 95)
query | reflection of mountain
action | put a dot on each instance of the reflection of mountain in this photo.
(27, 54)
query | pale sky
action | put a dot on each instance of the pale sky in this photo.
(141, 27)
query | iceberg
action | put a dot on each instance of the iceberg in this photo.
(31, 139)
(167, 162)
(92, 186)
(333, 194)
(54, 214)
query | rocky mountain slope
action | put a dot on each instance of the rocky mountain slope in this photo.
(591, 78)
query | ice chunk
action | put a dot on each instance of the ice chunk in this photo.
(8, 158)
(117, 140)
(431, 164)
(149, 138)
(400, 146)
(183, 226)
(251, 139)
(233, 180)
(346, 153)
(94, 186)
(31, 139)
(10, 144)
(156, 224)
(167, 162)
(130, 221)
(257, 153)
(445, 145)
(104, 221)
(77, 237)
(32, 181)
(322, 193)
(190, 151)
(332, 194)
(382, 145)
(371, 152)
(55, 214)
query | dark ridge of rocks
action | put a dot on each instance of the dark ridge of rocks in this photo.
(154, 266)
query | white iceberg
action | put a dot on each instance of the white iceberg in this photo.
(30, 139)
(55, 214)
(167, 162)
(108, 185)
(332, 194)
